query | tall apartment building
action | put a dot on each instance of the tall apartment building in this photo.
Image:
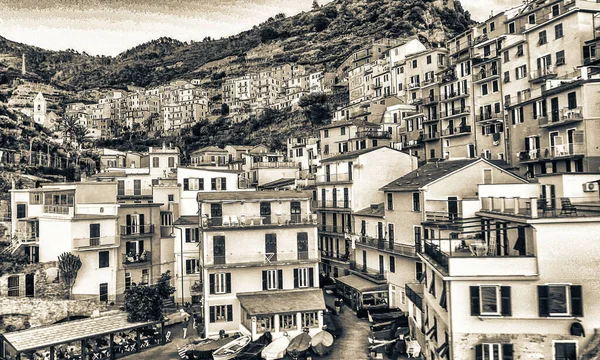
(501, 288)
(259, 263)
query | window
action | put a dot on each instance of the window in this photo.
(560, 300)
(302, 245)
(565, 350)
(272, 279)
(390, 201)
(155, 162)
(218, 183)
(326, 150)
(558, 31)
(192, 266)
(494, 352)
(288, 322)
(127, 280)
(13, 286)
(520, 72)
(511, 28)
(428, 59)
(325, 133)
(418, 270)
(220, 313)
(542, 37)
(171, 161)
(192, 235)
(432, 284)
(310, 319)
(264, 324)
(520, 50)
(103, 292)
(343, 130)
(391, 234)
(103, 259)
(490, 300)
(21, 211)
(220, 283)
(495, 86)
(416, 201)
(484, 89)
(506, 56)
(409, 125)
(414, 64)
(531, 19)
(555, 10)
(492, 26)
(304, 277)
(572, 99)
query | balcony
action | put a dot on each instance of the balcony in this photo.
(332, 229)
(82, 244)
(413, 143)
(432, 136)
(335, 256)
(248, 221)
(563, 117)
(457, 131)
(443, 218)
(373, 134)
(386, 246)
(455, 112)
(541, 75)
(448, 76)
(59, 210)
(243, 258)
(473, 257)
(367, 272)
(427, 82)
(553, 152)
(332, 178)
(274, 165)
(413, 86)
(137, 259)
(516, 100)
(431, 100)
(489, 117)
(137, 230)
(527, 203)
(139, 192)
(485, 76)
(330, 204)
(415, 101)
(455, 95)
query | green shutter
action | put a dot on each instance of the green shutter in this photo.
(576, 300)
(228, 283)
(211, 278)
(474, 290)
(507, 351)
(506, 303)
(543, 300)
(229, 312)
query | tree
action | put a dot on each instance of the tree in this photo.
(80, 134)
(315, 108)
(268, 34)
(69, 265)
(320, 22)
(224, 109)
(145, 303)
(315, 5)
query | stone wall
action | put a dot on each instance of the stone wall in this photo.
(45, 312)
(526, 346)
(44, 287)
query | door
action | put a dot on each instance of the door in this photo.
(265, 212)
(271, 247)
(216, 214)
(104, 292)
(350, 171)
(94, 234)
(219, 250)
(137, 187)
(552, 196)
(323, 198)
(381, 268)
(554, 109)
(570, 141)
(346, 198)
(364, 261)
(29, 285)
(452, 208)
(327, 173)
(334, 198)
(295, 212)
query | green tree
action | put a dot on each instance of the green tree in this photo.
(315, 108)
(224, 109)
(267, 34)
(320, 22)
(145, 303)
(315, 5)
(68, 126)
(69, 265)
(11, 262)
(80, 133)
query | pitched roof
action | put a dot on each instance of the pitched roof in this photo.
(252, 195)
(187, 220)
(209, 148)
(426, 174)
(278, 183)
(357, 153)
(359, 283)
(375, 210)
(355, 122)
(282, 301)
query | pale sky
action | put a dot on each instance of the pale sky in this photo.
(108, 27)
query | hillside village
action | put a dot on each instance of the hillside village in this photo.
(457, 182)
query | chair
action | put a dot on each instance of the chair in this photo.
(226, 221)
(542, 204)
(566, 207)
(242, 220)
(168, 337)
(234, 220)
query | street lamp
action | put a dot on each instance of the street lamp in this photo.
(181, 256)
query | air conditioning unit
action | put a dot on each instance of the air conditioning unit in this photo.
(590, 187)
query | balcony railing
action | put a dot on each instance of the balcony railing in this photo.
(481, 76)
(540, 75)
(335, 255)
(260, 258)
(141, 258)
(413, 143)
(95, 242)
(455, 95)
(415, 85)
(442, 217)
(58, 209)
(330, 204)
(464, 129)
(274, 165)
(166, 231)
(196, 288)
(365, 271)
(431, 99)
(432, 136)
(564, 150)
(564, 116)
(133, 230)
(334, 229)
(328, 178)
(135, 192)
(455, 112)
(374, 134)
(239, 221)
(386, 245)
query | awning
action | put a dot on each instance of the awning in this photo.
(592, 350)
(361, 284)
(45, 336)
(282, 301)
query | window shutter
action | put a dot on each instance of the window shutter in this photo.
(223, 183)
(212, 314)
(576, 301)
(197, 231)
(188, 267)
(211, 281)
(478, 349)
(228, 283)
(186, 184)
(280, 279)
(534, 105)
(507, 351)
(187, 235)
(474, 300)
(264, 279)
(229, 312)
(295, 278)
(311, 276)
(543, 300)
(506, 304)
(142, 224)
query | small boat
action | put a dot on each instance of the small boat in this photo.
(251, 352)
(232, 349)
(205, 348)
(299, 345)
(276, 349)
(386, 316)
(322, 342)
(332, 324)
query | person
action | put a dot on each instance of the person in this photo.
(336, 303)
(186, 322)
(199, 328)
(194, 318)
(341, 305)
